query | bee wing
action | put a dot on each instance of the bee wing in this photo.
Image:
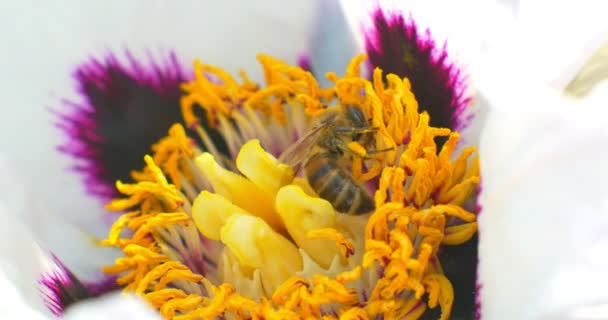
(296, 153)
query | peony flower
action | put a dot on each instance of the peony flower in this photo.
(242, 235)
(220, 221)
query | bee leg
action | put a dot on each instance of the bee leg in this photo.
(372, 152)
(351, 130)
(357, 150)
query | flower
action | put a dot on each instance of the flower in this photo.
(175, 171)
(268, 243)
(93, 78)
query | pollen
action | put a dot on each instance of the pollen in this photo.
(245, 236)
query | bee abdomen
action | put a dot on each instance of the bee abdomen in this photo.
(336, 185)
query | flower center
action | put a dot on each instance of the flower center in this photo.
(248, 236)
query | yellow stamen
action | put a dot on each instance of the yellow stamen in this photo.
(290, 254)
(220, 94)
(169, 153)
(346, 247)
(460, 233)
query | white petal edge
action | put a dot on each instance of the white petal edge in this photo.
(31, 229)
(44, 42)
(21, 258)
(12, 305)
(551, 41)
(112, 307)
(333, 43)
(456, 23)
(544, 203)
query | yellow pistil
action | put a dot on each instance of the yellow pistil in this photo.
(284, 252)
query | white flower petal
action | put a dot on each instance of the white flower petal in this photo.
(12, 305)
(333, 44)
(30, 228)
(545, 203)
(21, 259)
(550, 41)
(595, 312)
(44, 42)
(112, 307)
(455, 22)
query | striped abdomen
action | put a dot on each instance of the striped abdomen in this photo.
(336, 185)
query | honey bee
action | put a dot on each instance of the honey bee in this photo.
(324, 153)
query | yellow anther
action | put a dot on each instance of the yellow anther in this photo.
(355, 313)
(353, 69)
(291, 285)
(449, 209)
(182, 304)
(444, 294)
(214, 90)
(461, 192)
(139, 192)
(377, 226)
(346, 247)
(169, 153)
(312, 105)
(160, 297)
(375, 251)
(118, 226)
(411, 309)
(158, 273)
(159, 220)
(459, 234)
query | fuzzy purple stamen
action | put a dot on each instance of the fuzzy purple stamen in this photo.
(395, 45)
